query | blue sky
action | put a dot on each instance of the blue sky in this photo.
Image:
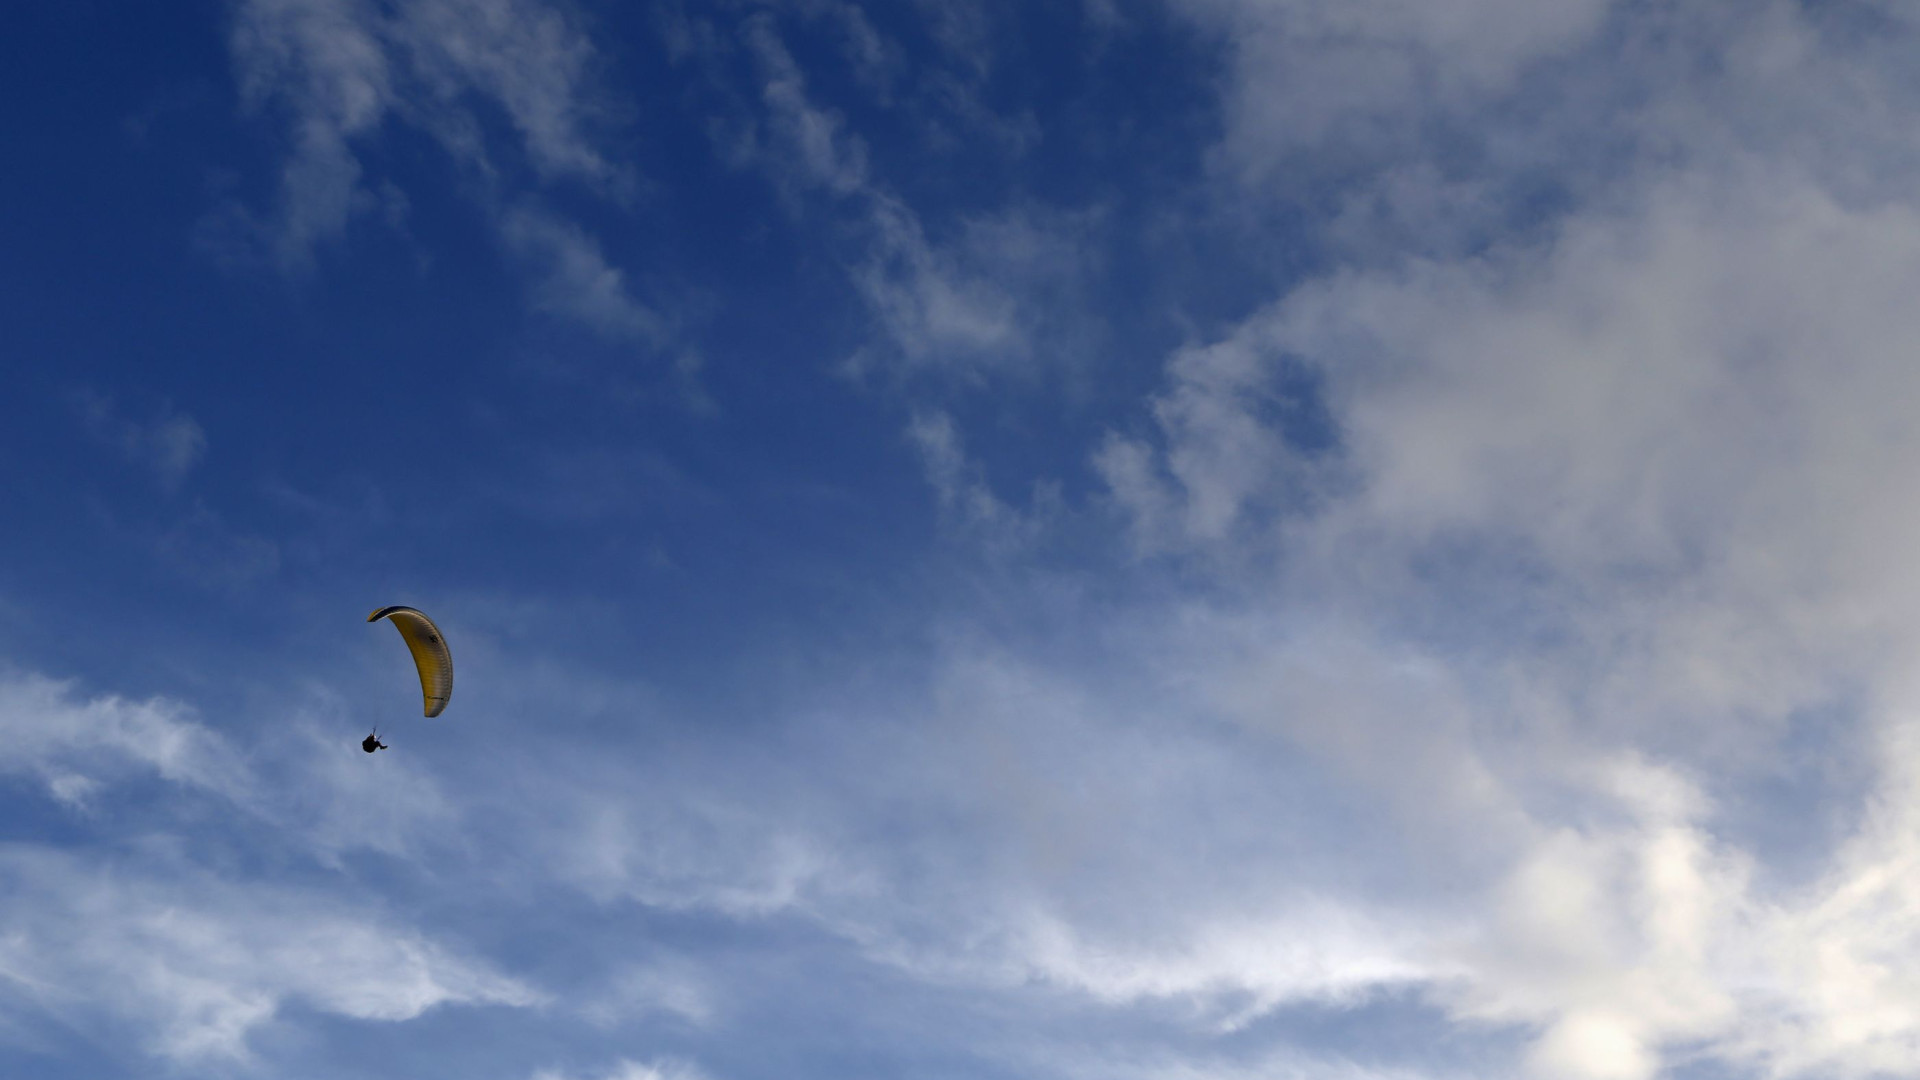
(1077, 540)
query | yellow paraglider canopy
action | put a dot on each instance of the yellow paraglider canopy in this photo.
(430, 655)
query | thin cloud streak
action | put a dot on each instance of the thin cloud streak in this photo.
(974, 304)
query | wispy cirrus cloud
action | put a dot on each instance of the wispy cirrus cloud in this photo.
(973, 300)
(171, 444)
(341, 69)
(964, 492)
(342, 73)
(575, 280)
(988, 297)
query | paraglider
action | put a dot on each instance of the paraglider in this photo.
(430, 657)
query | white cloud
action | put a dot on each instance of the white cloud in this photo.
(1617, 943)
(1626, 492)
(87, 749)
(529, 55)
(1619, 920)
(1705, 391)
(1308, 951)
(631, 1070)
(1623, 944)
(197, 964)
(1353, 80)
(1844, 998)
(75, 744)
(133, 926)
(805, 138)
(1284, 1065)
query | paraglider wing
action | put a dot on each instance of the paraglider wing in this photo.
(430, 655)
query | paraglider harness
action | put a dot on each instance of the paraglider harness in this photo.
(372, 742)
